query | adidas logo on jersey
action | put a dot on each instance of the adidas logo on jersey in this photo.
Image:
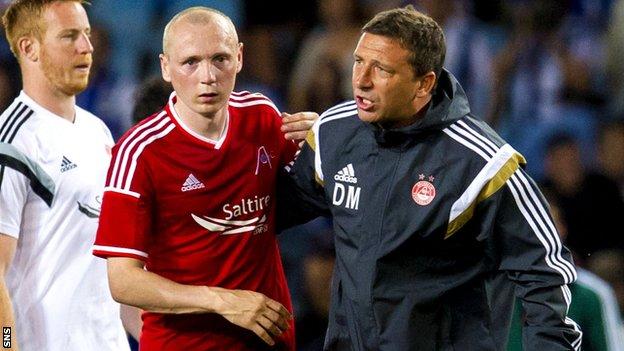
(66, 165)
(346, 174)
(192, 183)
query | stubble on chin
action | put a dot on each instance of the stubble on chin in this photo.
(66, 82)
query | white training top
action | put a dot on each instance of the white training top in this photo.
(52, 175)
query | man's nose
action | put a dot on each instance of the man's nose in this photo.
(84, 45)
(207, 73)
(362, 78)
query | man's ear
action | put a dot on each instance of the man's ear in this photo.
(164, 67)
(240, 58)
(427, 82)
(28, 48)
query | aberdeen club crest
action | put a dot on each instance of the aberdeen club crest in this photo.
(423, 192)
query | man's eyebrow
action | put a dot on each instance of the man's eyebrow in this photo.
(74, 30)
(221, 53)
(189, 57)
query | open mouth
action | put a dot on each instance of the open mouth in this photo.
(364, 103)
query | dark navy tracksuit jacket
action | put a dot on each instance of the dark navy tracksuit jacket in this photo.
(437, 225)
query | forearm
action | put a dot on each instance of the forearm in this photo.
(150, 292)
(6, 314)
(132, 285)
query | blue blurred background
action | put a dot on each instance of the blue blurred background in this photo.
(548, 75)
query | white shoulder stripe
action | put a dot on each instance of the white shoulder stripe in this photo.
(114, 249)
(466, 143)
(347, 113)
(485, 140)
(129, 139)
(542, 226)
(254, 103)
(129, 148)
(245, 95)
(138, 152)
(240, 93)
(549, 240)
(343, 110)
(340, 107)
(541, 213)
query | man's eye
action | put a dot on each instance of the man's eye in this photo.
(383, 72)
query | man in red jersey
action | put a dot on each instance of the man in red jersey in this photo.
(187, 221)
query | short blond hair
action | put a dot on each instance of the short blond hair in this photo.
(195, 15)
(23, 18)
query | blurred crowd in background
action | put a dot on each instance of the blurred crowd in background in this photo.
(548, 75)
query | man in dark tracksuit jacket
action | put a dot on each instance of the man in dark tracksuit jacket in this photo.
(433, 213)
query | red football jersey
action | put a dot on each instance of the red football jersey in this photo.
(200, 212)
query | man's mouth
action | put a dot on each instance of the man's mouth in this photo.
(83, 67)
(364, 103)
(206, 97)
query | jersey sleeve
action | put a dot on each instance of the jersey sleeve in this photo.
(19, 175)
(13, 196)
(300, 192)
(534, 258)
(125, 218)
(288, 150)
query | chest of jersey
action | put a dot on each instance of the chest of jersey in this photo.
(76, 159)
(221, 183)
(225, 190)
(212, 208)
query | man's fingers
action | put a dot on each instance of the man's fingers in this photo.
(277, 319)
(307, 117)
(303, 125)
(296, 126)
(269, 326)
(279, 308)
(299, 115)
(295, 135)
(263, 334)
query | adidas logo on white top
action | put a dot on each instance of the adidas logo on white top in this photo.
(192, 183)
(346, 174)
(66, 165)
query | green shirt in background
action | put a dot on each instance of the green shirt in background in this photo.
(593, 308)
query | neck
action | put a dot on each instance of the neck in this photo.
(210, 127)
(38, 88)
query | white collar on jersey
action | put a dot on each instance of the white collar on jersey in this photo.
(42, 111)
(217, 143)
